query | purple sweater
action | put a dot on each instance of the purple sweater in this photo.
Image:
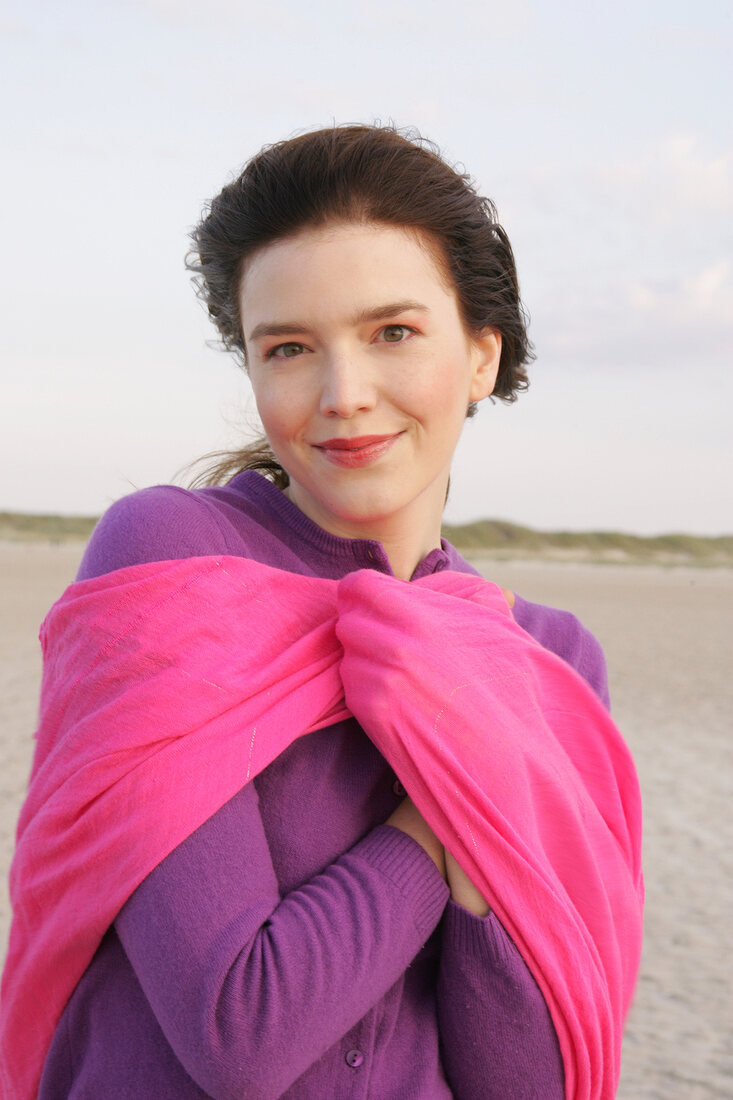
(294, 945)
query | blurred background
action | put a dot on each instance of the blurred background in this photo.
(601, 132)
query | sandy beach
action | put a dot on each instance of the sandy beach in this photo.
(666, 633)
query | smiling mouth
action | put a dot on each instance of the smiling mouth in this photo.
(360, 450)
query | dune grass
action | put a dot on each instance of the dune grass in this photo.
(497, 539)
(24, 527)
(490, 538)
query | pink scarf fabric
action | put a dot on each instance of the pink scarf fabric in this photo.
(169, 686)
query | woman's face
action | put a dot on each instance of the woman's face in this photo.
(362, 372)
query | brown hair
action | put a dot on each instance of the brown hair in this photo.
(358, 174)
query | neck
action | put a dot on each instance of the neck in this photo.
(407, 537)
(405, 554)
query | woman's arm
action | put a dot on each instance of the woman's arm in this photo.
(508, 753)
(249, 988)
(408, 819)
(497, 1038)
(462, 890)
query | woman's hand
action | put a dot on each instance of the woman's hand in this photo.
(508, 596)
(462, 890)
(409, 820)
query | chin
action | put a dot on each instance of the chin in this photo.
(366, 512)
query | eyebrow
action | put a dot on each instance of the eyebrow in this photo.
(374, 313)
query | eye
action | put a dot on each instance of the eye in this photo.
(285, 351)
(395, 334)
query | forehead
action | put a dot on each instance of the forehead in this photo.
(342, 260)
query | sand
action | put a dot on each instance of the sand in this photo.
(667, 639)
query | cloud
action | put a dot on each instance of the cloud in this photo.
(13, 29)
(703, 297)
(222, 14)
(629, 260)
(379, 19)
(692, 315)
(668, 320)
(677, 177)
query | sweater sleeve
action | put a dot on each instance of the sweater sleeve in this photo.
(249, 988)
(162, 523)
(562, 633)
(497, 1038)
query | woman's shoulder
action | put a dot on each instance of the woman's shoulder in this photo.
(559, 631)
(565, 635)
(161, 523)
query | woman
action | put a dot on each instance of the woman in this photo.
(300, 929)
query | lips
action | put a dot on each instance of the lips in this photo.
(360, 450)
(355, 443)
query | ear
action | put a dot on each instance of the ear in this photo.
(486, 358)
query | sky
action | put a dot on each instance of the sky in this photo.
(603, 134)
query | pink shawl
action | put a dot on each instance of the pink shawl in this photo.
(169, 686)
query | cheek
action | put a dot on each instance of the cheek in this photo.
(274, 405)
(275, 421)
(448, 395)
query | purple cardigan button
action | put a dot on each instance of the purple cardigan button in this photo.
(398, 789)
(354, 1058)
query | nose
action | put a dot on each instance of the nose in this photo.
(347, 386)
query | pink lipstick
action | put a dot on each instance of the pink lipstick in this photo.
(360, 450)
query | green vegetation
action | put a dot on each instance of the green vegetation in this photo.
(488, 538)
(22, 527)
(496, 539)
